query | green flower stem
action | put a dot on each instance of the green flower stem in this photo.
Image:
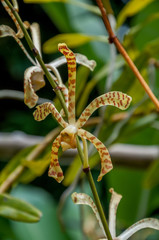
(38, 57)
(94, 191)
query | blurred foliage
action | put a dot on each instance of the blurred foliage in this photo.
(137, 27)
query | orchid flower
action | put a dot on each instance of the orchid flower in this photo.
(67, 137)
(82, 198)
(34, 76)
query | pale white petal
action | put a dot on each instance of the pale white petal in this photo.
(15, 4)
(113, 205)
(144, 223)
(35, 33)
(80, 59)
(82, 198)
(83, 60)
(6, 31)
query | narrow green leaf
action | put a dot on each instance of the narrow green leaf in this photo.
(14, 162)
(73, 40)
(130, 9)
(18, 210)
(88, 7)
(82, 76)
(151, 178)
(72, 171)
(38, 167)
(35, 168)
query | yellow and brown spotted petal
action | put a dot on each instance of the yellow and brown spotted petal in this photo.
(116, 99)
(71, 62)
(106, 163)
(45, 109)
(33, 81)
(55, 170)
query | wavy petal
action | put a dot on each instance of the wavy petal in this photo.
(144, 223)
(71, 62)
(55, 170)
(117, 99)
(106, 164)
(45, 109)
(113, 205)
(82, 198)
(33, 81)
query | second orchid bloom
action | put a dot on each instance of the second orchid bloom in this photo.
(67, 137)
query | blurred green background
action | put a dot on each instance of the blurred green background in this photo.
(137, 182)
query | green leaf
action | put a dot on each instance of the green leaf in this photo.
(130, 9)
(48, 227)
(82, 76)
(18, 210)
(38, 167)
(73, 40)
(61, 21)
(35, 168)
(88, 7)
(151, 178)
(14, 162)
(72, 171)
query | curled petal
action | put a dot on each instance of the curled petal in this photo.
(45, 109)
(117, 99)
(144, 223)
(33, 81)
(6, 31)
(106, 164)
(82, 198)
(114, 201)
(83, 60)
(55, 170)
(71, 62)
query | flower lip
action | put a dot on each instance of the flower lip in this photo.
(68, 139)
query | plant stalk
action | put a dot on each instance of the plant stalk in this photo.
(88, 173)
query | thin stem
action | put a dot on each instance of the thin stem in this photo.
(38, 57)
(94, 191)
(114, 39)
(85, 150)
